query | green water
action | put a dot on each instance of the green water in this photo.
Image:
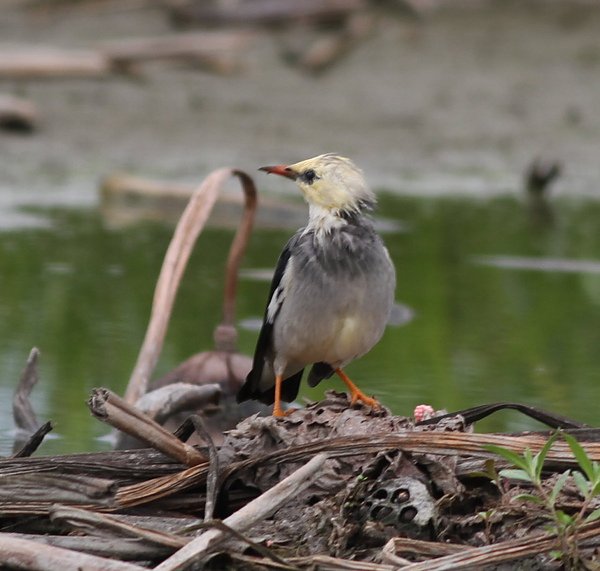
(81, 293)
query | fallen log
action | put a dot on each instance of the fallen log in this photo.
(18, 114)
(49, 62)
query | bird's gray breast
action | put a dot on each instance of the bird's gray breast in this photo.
(336, 297)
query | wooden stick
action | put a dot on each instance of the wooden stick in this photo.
(255, 511)
(109, 408)
(24, 554)
(190, 225)
(408, 545)
(192, 44)
(327, 563)
(85, 519)
(52, 62)
(23, 412)
(34, 441)
(264, 11)
(164, 402)
(125, 549)
(212, 480)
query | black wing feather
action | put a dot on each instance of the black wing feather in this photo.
(319, 372)
(251, 388)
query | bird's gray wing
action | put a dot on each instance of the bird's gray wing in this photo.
(251, 388)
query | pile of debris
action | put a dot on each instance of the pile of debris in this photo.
(327, 487)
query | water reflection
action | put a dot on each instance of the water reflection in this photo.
(479, 333)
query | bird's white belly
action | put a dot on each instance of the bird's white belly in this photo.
(335, 341)
(348, 338)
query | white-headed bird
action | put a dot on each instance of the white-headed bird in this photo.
(332, 291)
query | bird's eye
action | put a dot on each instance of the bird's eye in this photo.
(309, 176)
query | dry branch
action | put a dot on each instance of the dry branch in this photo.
(264, 11)
(166, 401)
(27, 62)
(87, 520)
(23, 413)
(34, 441)
(115, 548)
(326, 563)
(255, 511)
(33, 556)
(110, 408)
(34, 492)
(407, 545)
(330, 48)
(215, 51)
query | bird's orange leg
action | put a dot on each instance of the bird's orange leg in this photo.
(355, 392)
(277, 410)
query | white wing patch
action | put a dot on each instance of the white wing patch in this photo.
(275, 304)
(280, 292)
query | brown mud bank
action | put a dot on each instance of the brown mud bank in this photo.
(459, 100)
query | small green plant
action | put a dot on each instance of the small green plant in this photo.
(528, 468)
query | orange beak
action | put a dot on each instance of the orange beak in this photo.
(281, 170)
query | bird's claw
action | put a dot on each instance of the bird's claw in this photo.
(368, 401)
(280, 413)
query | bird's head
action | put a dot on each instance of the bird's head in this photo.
(331, 183)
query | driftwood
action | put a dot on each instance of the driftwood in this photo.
(113, 410)
(116, 548)
(23, 413)
(31, 445)
(26, 554)
(217, 52)
(27, 62)
(328, 48)
(265, 12)
(18, 114)
(214, 51)
(171, 399)
(85, 520)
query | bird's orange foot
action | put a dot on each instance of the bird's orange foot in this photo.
(355, 393)
(356, 396)
(278, 412)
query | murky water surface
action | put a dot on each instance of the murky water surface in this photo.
(484, 329)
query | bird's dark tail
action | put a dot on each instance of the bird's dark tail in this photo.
(319, 372)
(250, 389)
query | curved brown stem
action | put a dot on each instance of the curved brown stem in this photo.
(190, 225)
(238, 247)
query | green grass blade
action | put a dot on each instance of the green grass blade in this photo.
(509, 455)
(541, 456)
(558, 486)
(582, 483)
(581, 456)
(512, 474)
